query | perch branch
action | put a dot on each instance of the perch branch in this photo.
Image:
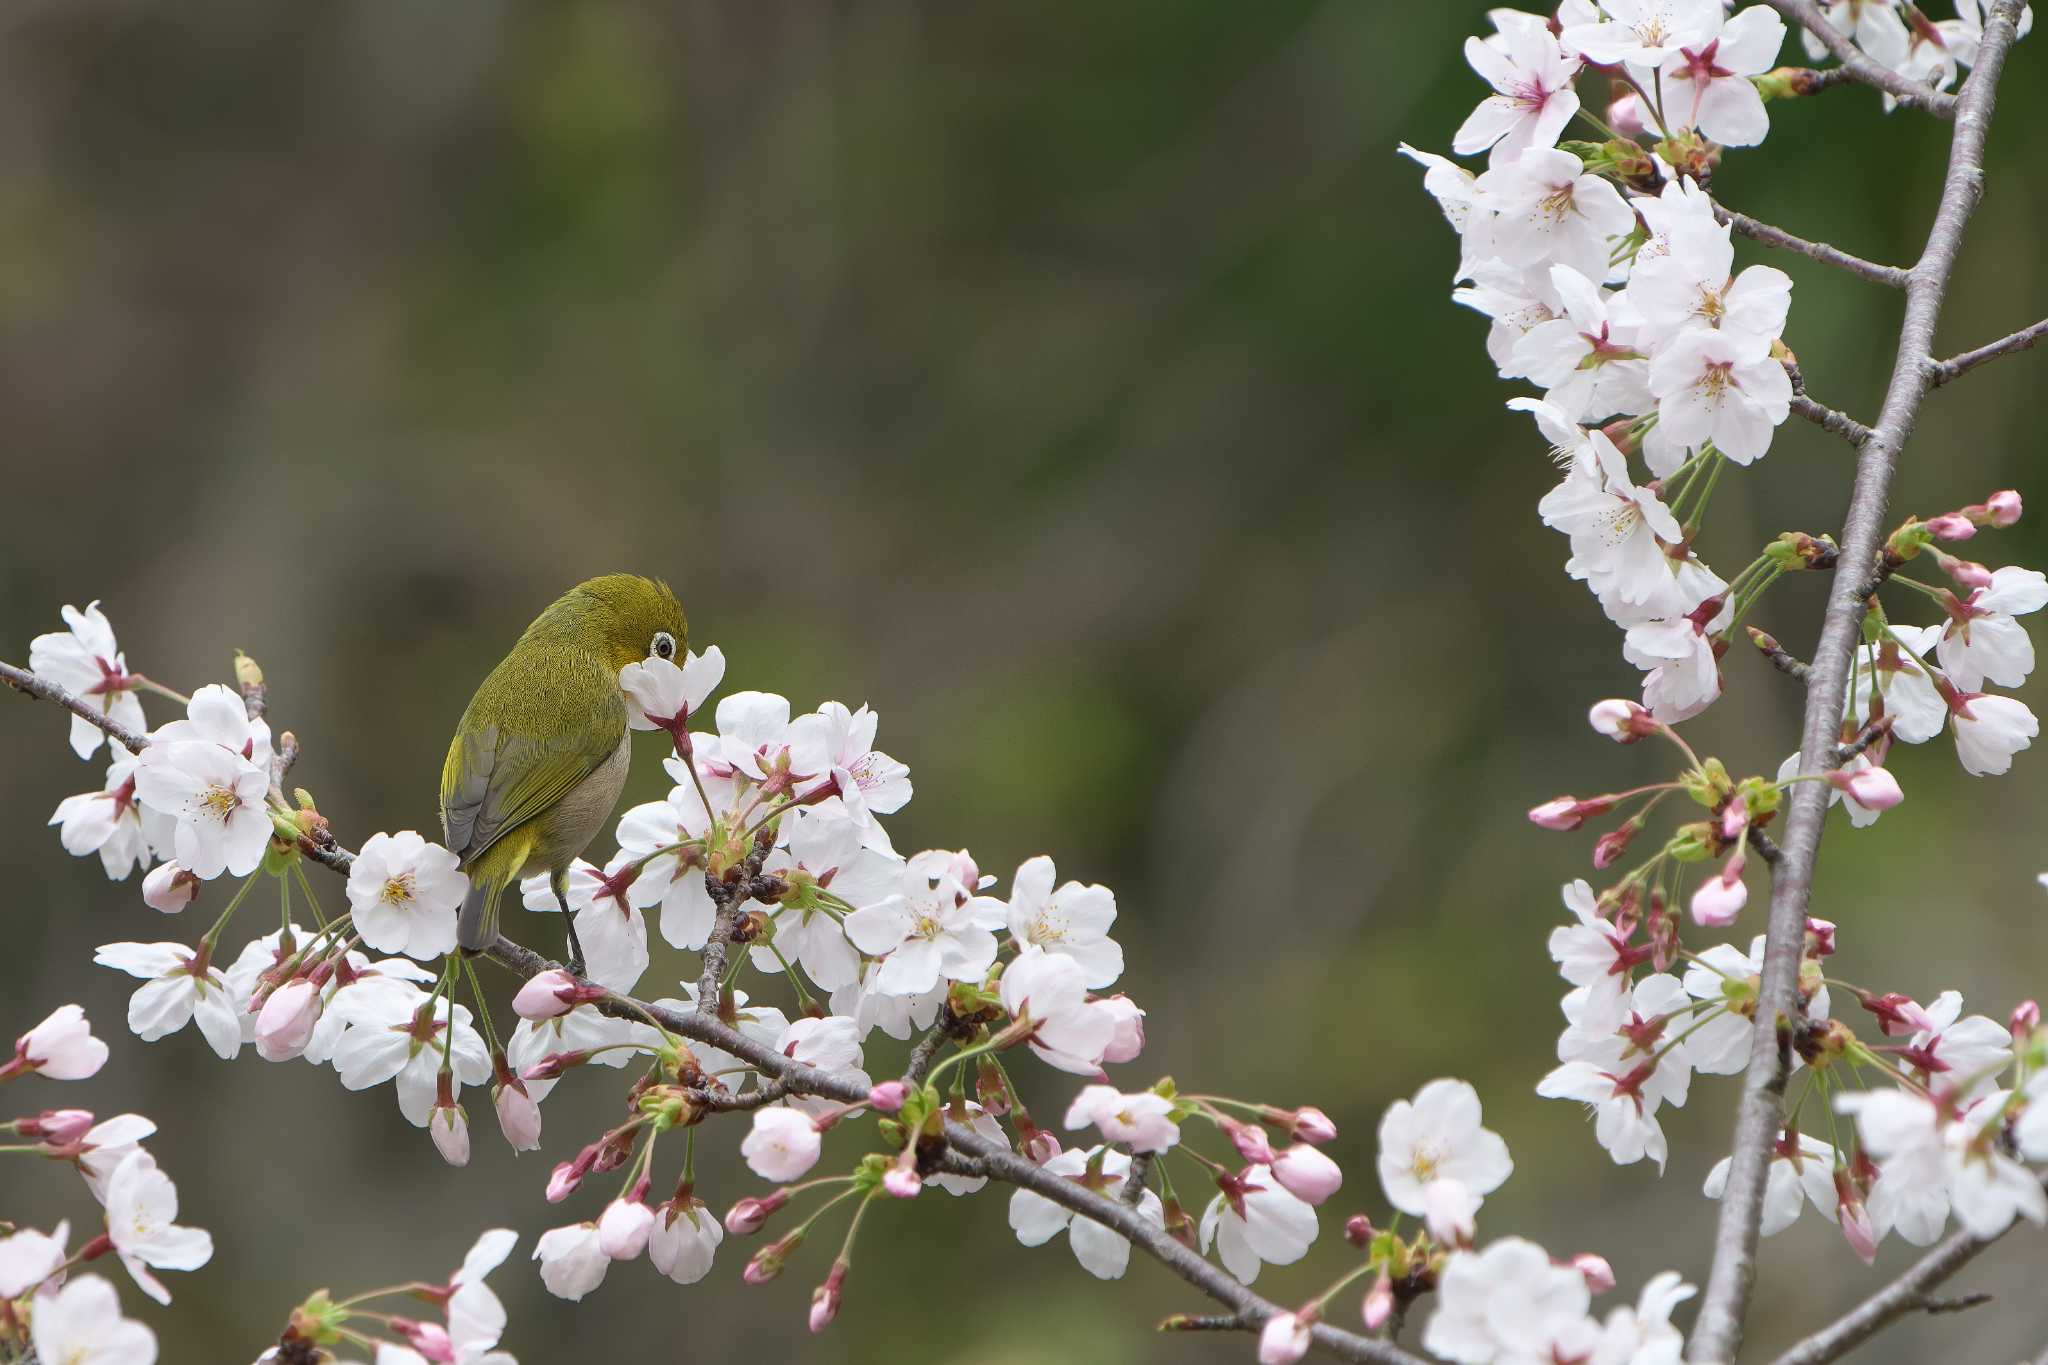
(1756, 230)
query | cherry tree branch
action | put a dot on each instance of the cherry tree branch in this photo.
(1718, 1330)
(1891, 276)
(1861, 68)
(1907, 1294)
(967, 1152)
(2025, 339)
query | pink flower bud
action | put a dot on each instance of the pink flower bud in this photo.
(61, 1127)
(1950, 526)
(551, 994)
(1609, 847)
(554, 1064)
(767, 1263)
(1870, 788)
(2003, 507)
(825, 1298)
(1720, 898)
(1625, 116)
(1250, 1142)
(1041, 1147)
(1358, 1231)
(623, 1227)
(448, 1126)
(430, 1339)
(749, 1214)
(903, 1181)
(169, 888)
(1820, 937)
(1285, 1337)
(1560, 813)
(2026, 1017)
(286, 1022)
(1599, 1275)
(1379, 1303)
(1307, 1174)
(568, 1175)
(1311, 1125)
(888, 1097)
(1734, 820)
(518, 1115)
(1968, 574)
(1129, 1039)
(1620, 720)
(1854, 1219)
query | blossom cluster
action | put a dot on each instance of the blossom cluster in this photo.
(44, 1308)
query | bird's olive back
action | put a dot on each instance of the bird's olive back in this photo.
(620, 617)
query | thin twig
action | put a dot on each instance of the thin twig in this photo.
(2025, 339)
(21, 680)
(1907, 1294)
(1757, 230)
(1867, 736)
(1781, 658)
(1133, 1192)
(968, 1152)
(1718, 1330)
(1203, 1322)
(1862, 68)
(1820, 414)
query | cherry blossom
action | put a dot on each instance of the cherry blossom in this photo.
(400, 1035)
(1046, 995)
(1552, 212)
(62, 1048)
(81, 1324)
(1144, 1122)
(1073, 920)
(111, 822)
(1593, 954)
(28, 1257)
(1645, 33)
(182, 988)
(1438, 1136)
(1951, 1051)
(1989, 730)
(684, 1239)
(84, 658)
(142, 1212)
(1983, 641)
(1533, 97)
(662, 695)
(1624, 1119)
(839, 746)
(1102, 1253)
(782, 1144)
(1721, 386)
(1509, 1302)
(1873, 25)
(1587, 365)
(1254, 1220)
(614, 939)
(1456, 191)
(1692, 286)
(1516, 301)
(823, 848)
(217, 799)
(406, 892)
(1802, 1172)
(572, 1263)
(1709, 86)
(930, 928)
(1964, 34)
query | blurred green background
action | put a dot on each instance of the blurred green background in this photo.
(1075, 383)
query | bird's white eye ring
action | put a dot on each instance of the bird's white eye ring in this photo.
(663, 646)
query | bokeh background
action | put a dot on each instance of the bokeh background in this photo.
(1075, 383)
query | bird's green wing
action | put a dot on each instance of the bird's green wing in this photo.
(496, 779)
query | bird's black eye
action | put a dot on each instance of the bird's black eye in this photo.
(664, 646)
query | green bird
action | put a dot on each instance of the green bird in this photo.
(542, 752)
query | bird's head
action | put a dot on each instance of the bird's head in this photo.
(622, 617)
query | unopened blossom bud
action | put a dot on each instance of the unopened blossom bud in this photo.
(1625, 116)
(169, 888)
(1379, 1303)
(2026, 1017)
(888, 1097)
(1312, 1125)
(430, 1339)
(1871, 788)
(1566, 812)
(1734, 820)
(554, 1064)
(1285, 1337)
(518, 1115)
(749, 1214)
(1896, 1014)
(1820, 937)
(1721, 897)
(1041, 1147)
(1854, 1218)
(569, 1174)
(825, 1298)
(448, 1125)
(2003, 507)
(623, 1227)
(1609, 847)
(1129, 1039)
(1599, 1275)
(1950, 526)
(1307, 1174)
(1968, 574)
(287, 1020)
(767, 1263)
(1358, 1230)
(1250, 1141)
(62, 1127)
(903, 1181)
(1663, 935)
(552, 994)
(1621, 720)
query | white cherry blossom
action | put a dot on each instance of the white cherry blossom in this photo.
(1533, 97)
(1721, 386)
(1102, 1253)
(1438, 1136)
(406, 892)
(1509, 1302)
(181, 988)
(81, 1324)
(1074, 920)
(142, 1213)
(85, 659)
(216, 798)
(1552, 212)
